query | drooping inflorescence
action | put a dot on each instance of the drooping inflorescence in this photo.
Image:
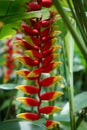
(39, 54)
(9, 64)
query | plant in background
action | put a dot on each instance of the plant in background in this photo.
(9, 64)
(39, 55)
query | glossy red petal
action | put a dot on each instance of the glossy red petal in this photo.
(50, 95)
(27, 60)
(50, 51)
(45, 32)
(50, 58)
(26, 45)
(47, 3)
(30, 31)
(50, 124)
(48, 45)
(46, 38)
(46, 23)
(49, 67)
(28, 89)
(28, 101)
(35, 73)
(33, 54)
(35, 24)
(23, 73)
(35, 40)
(29, 116)
(47, 82)
(34, 6)
(49, 109)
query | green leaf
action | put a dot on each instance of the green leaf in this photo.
(9, 30)
(20, 125)
(61, 27)
(27, 15)
(66, 126)
(2, 60)
(10, 7)
(77, 64)
(69, 44)
(5, 104)
(80, 102)
(12, 22)
(7, 86)
(62, 118)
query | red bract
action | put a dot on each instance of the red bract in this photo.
(29, 116)
(9, 64)
(50, 124)
(28, 89)
(47, 3)
(34, 6)
(39, 56)
(29, 30)
(28, 101)
(50, 95)
(27, 60)
(26, 45)
(47, 82)
(49, 109)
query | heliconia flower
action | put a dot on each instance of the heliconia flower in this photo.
(29, 31)
(50, 51)
(23, 73)
(49, 109)
(50, 124)
(46, 23)
(29, 116)
(46, 38)
(48, 45)
(50, 58)
(35, 73)
(27, 60)
(50, 95)
(47, 82)
(40, 56)
(9, 64)
(36, 40)
(25, 45)
(27, 39)
(45, 32)
(28, 89)
(35, 24)
(49, 67)
(28, 101)
(33, 54)
(47, 3)
(7, 75)
(34, 6)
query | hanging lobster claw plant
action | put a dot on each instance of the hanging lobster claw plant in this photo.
(39, 54)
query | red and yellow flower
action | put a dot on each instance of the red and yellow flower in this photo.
(9, 64)
(39, 54)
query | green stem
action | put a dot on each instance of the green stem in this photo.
(79, 8)
(9, 107)
(81, 117)
(77, 22)
(77, 37)
(11, 99)
(71, 102)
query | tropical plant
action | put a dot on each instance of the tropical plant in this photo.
(52, 35)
